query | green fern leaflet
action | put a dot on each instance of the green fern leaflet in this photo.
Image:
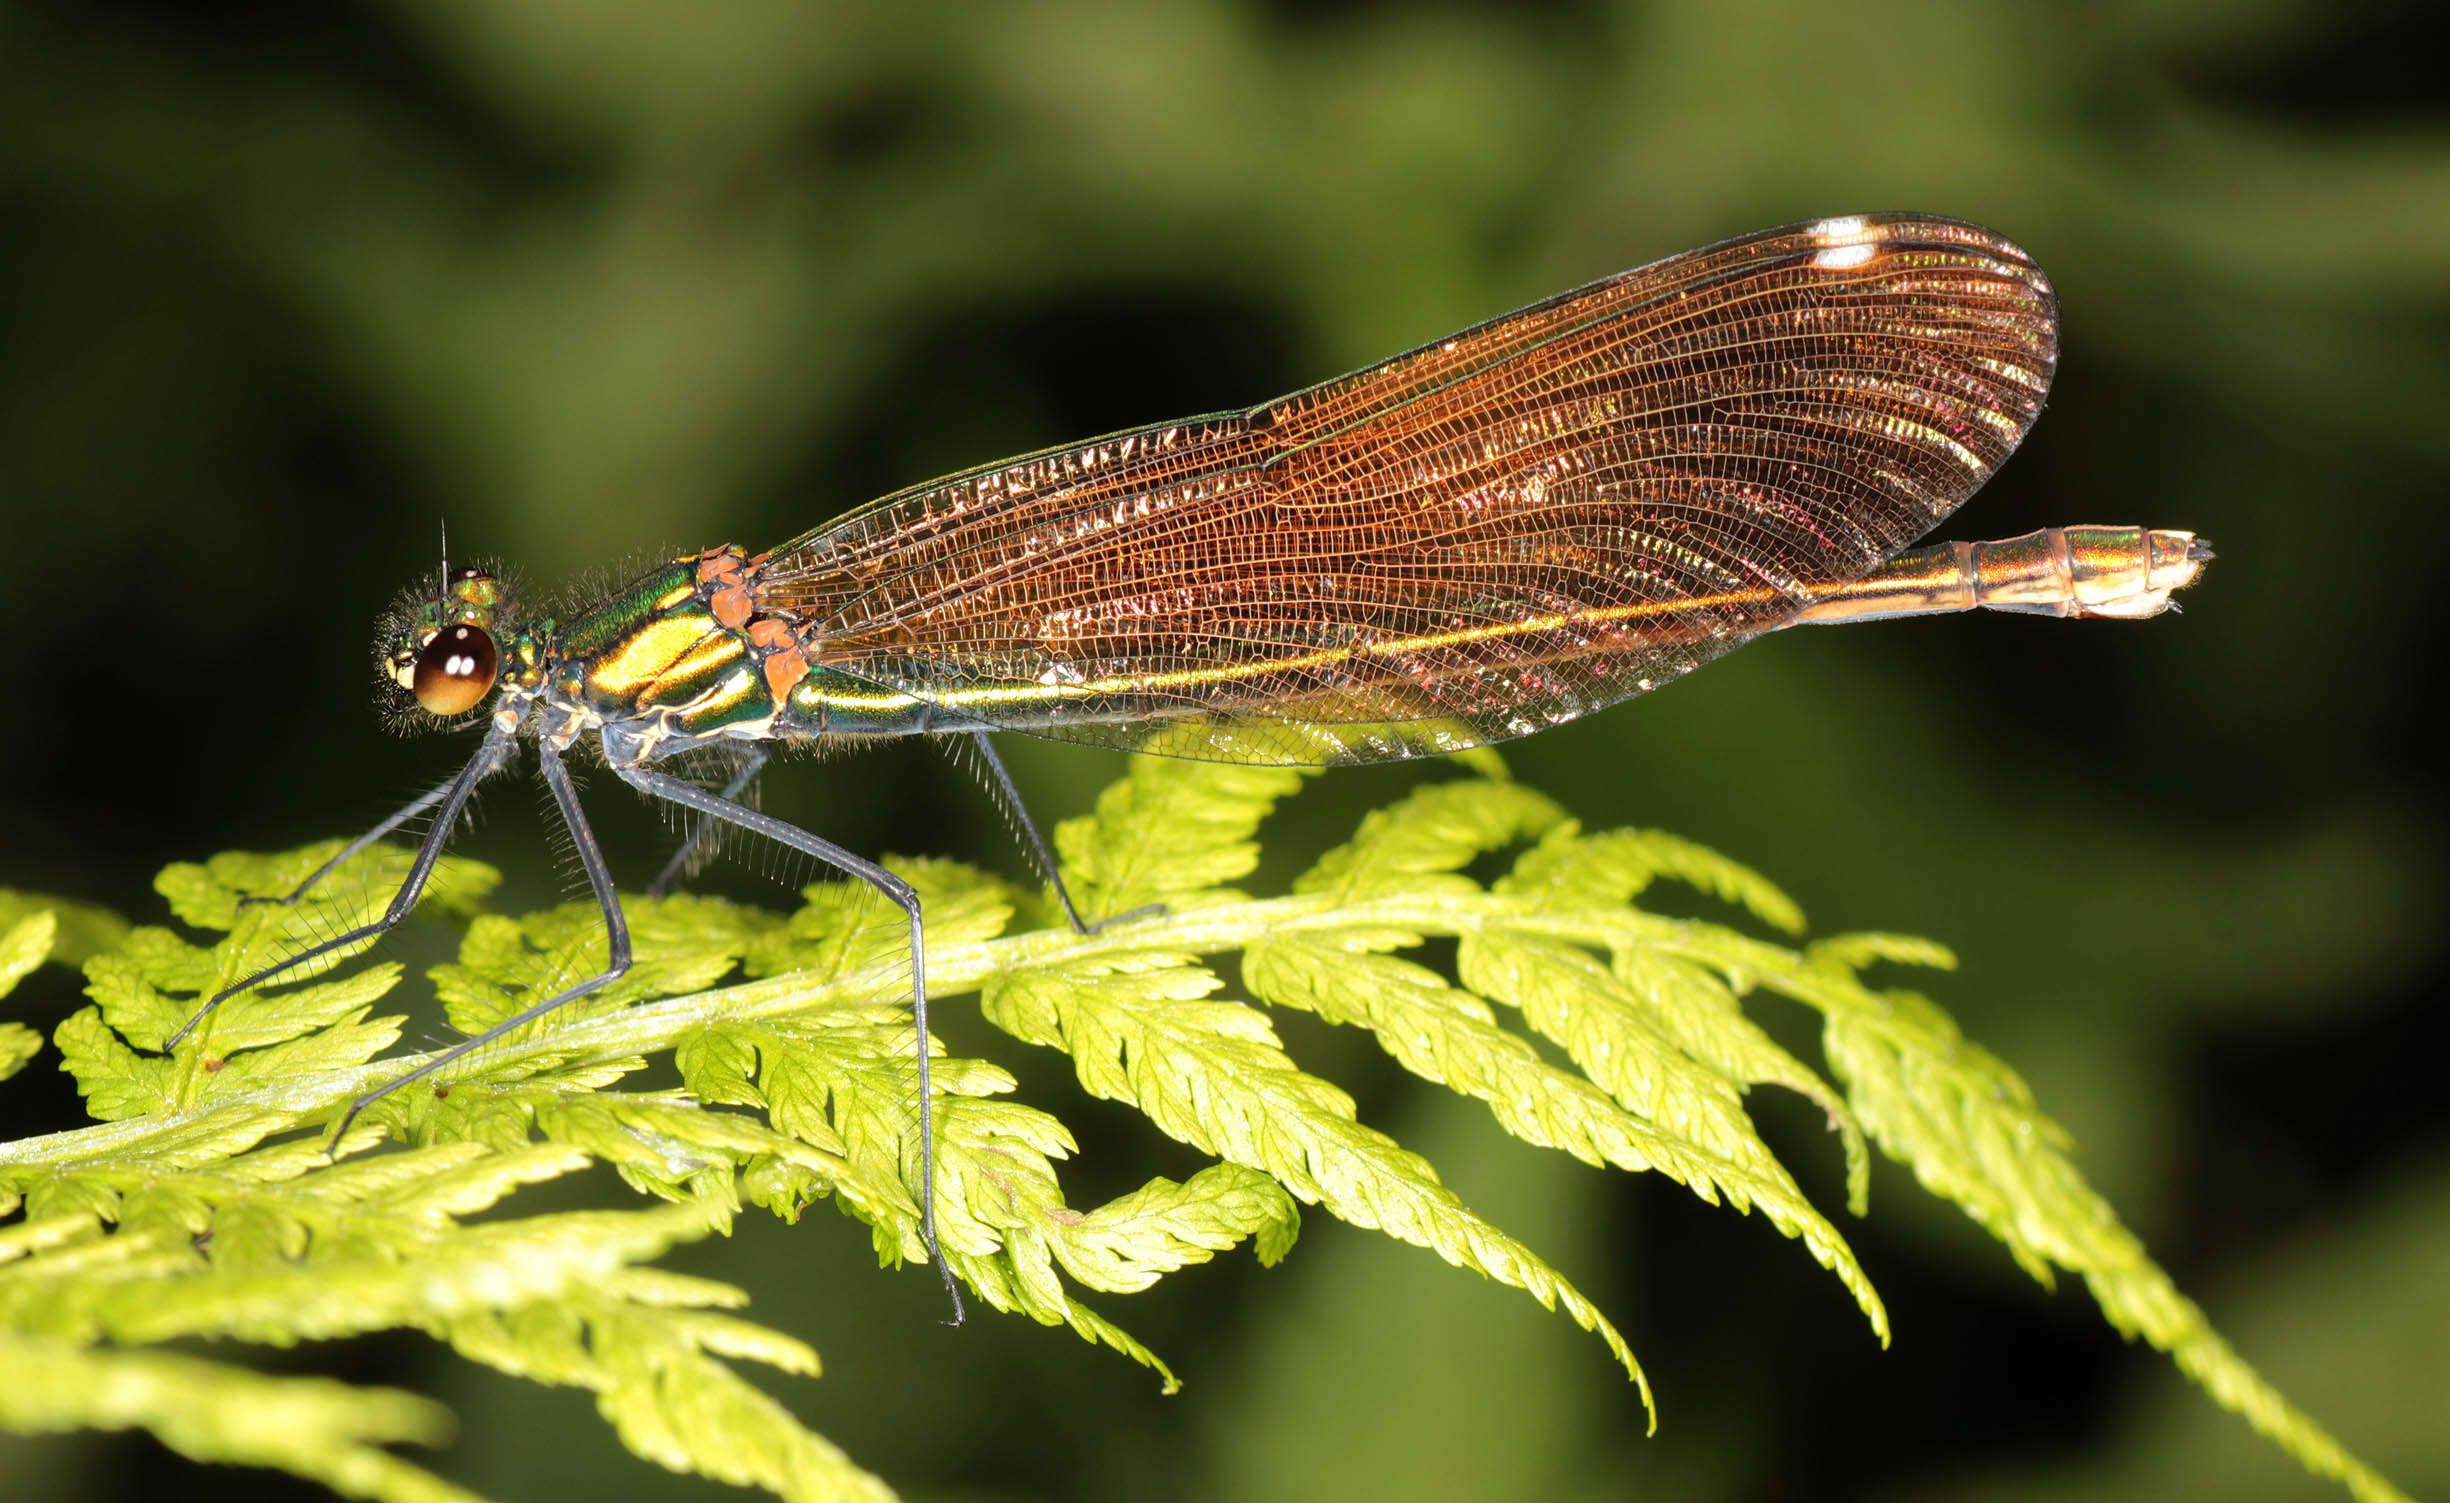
(206, 1203)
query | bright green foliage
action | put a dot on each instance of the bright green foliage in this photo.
(81, 930)
(206, 1204)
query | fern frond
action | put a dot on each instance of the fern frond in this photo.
(1969, 1128)
(79, 930)
(204, 1204)
(212, 1411)
(24, 944)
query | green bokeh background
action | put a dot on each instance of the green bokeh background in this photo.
(282, 285)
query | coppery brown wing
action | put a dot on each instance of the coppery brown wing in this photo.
(1492, 534)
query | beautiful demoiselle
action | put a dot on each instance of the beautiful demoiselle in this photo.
(1491, 535)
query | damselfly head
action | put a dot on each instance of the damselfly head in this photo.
(441, 651)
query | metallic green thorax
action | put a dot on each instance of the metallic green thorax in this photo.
(603, 628)
(658, 650)
(655, 650)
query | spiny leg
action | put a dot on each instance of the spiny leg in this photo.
(691, 796)
(453, 796)
(704, 830)
(1040, 851)
(616, 935)
(403, 815)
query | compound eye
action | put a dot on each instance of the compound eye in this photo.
(454, 670)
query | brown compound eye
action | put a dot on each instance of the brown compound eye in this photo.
(454, 670)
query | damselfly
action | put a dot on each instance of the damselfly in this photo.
(1491, 535)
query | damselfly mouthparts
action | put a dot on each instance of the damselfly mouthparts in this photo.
(1488, 536)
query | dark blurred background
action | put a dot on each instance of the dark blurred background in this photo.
(285, 285)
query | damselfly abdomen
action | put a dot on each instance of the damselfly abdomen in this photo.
(1488, 536)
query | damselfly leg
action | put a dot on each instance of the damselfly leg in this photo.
(618, 958)
(690, 796)
(1039, 850)
(399, 817)
(694, 849)
(453, 797)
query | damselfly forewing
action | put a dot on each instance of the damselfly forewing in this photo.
(1490, 535)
